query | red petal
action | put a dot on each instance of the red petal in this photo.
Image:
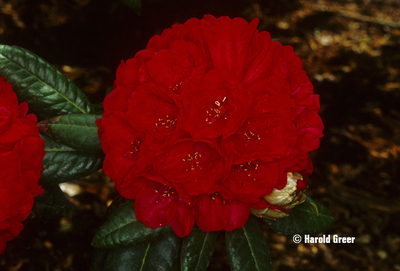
(309, 129)
(168, 36)
(214, 105)
(268, 61)
(228, 41)
(117, 100)
(194, 165)
(301, 90)
(268, 131)
(128, 74)
(239, 215)
(183, 222)
(8, 99)
(23, 110)
(126, 151)
(156, 205)
(253, 180)
(170, 68)
(151, 111)
(261, 204)
(194, 34)
(212, 212)
(5, 119)
(131, 187)
(293, 62)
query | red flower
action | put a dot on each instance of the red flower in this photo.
(21, 155)
(206, 122)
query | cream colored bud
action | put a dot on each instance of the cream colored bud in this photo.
(286, 195)
(287, 198)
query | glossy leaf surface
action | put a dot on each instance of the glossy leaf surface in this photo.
(247, 248)
(48, 92)
(78, 131)
(63, 164)
(310, 217)
(197, 249)
(123, 229)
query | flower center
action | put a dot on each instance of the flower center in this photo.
(215, 112)
(194, 161)
(166, 123)
(165, 191)
(134, 149)
(248, 169)
(249, 135)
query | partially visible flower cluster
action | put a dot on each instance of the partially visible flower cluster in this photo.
(21, 155)
(206, 121)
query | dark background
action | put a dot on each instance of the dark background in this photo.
(350, 51)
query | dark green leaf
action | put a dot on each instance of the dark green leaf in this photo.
(50, 203)
(197, 249)
(48, 92)
(98, 109)
(126, 258)
(247, 248)
(302, 220)
(123, 229)
(63, 164)
(159, 254)
(136, 5)
(163, 253)
(78, 131)
(99, 257)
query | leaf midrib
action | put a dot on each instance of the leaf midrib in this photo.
(40, 80)
(251, 248)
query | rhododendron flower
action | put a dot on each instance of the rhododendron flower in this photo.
(205, 122)
(21, 155)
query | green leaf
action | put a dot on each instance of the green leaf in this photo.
(247, 248)
(303, 220)
(126, 258)
(160, 254)
(50, 203)
(197, 249)
(99, 257)
(98, 109)
(78, 131)
(48, 92)
(163, 254)
(63, 164)
(123, 229)
(136, 5)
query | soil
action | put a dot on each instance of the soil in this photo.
(351, 52)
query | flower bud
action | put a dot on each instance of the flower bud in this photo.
(282, 200)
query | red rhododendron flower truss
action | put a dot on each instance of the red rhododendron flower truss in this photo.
(206, 121)
(21, 155)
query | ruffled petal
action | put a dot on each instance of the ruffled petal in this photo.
(228, 42)
(213, 105)
(239, 215)
(170, 68)
(156, 205)
(212, 212)
(253, 180)
(152, 111)
(195, 165)
(183, 222)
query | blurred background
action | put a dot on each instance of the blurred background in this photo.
(351, 52)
